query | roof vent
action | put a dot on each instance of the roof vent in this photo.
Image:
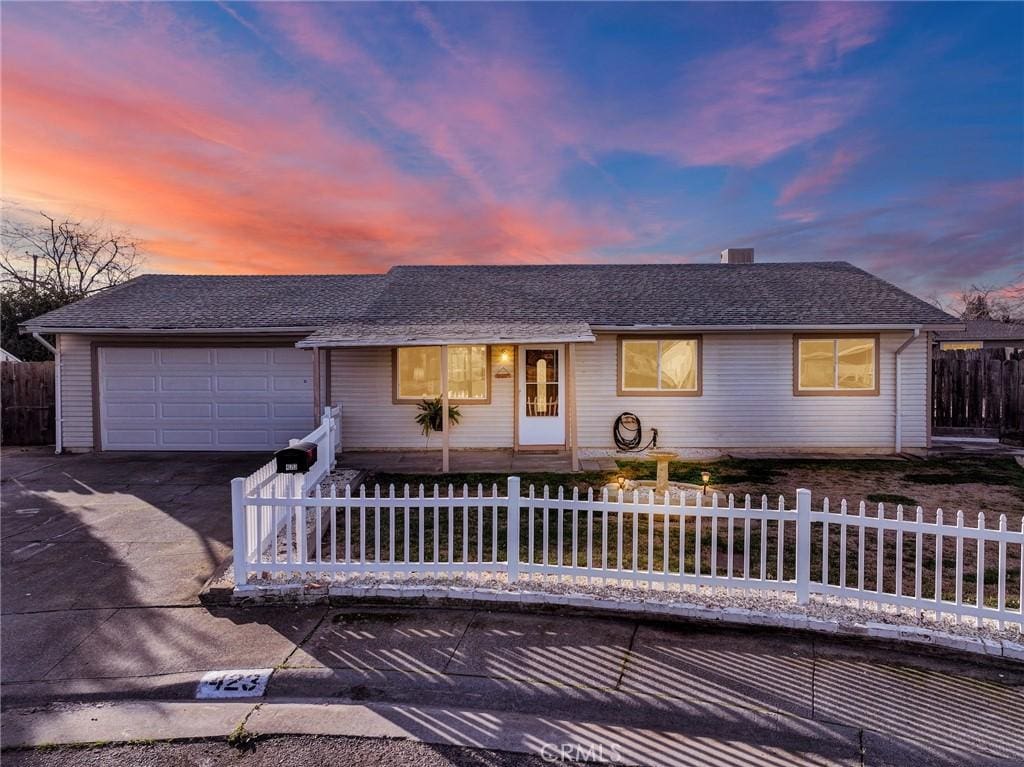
(738, 256)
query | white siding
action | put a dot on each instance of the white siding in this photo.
(748, 400)
(361, 383)
(76, 391)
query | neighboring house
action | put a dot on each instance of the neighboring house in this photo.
(983, 334)
(773, 356)
(6, 356)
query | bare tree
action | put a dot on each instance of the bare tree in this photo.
(65, 259)
(988, 302)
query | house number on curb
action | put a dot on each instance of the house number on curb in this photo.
(234, 683)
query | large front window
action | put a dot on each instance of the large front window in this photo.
(837, 365)
(418, 373)
(660, 366)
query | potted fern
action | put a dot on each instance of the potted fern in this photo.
(429, 416)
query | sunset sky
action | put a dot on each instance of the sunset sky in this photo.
(250, 138)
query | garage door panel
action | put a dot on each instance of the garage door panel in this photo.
(185, 438)
(145, 438)
(243, 383)
(245, 409)
(290, 383)
(185, 383)
(178, 410)
(132, 410)
(244, 356)
(186, 356)
(129, 356)
(239, 438)
(130, 383)
(290, 410)
(204, 398)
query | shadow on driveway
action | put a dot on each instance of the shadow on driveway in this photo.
(103, 557)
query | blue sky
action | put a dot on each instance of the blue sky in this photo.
(271, 137)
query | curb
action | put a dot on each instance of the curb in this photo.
(254, 595)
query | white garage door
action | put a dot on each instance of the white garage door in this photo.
(207, 398)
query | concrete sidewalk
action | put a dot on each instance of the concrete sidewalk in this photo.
(434, 673)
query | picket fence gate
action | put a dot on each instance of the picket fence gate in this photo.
(288, 527)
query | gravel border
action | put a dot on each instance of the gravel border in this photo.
(825, 614)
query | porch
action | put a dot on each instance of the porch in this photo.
(508, 387)
(499, 461)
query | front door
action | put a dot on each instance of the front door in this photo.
(541, 395)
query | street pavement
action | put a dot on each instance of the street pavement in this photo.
(104, 639)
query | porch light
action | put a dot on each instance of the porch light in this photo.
(705, 477)
(505, 356)
(621, 482)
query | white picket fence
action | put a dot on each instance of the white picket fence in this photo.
(264, 524)
(878, 558)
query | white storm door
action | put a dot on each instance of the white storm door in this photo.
(541, 395)
(204, 397)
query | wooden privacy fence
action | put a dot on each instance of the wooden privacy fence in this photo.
(939, 564)
(28, 403)
(978, 389)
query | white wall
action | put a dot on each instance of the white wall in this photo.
(361, 382)
(76, 391)
(747, 402)
(748, 399)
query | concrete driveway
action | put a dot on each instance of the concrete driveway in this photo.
(109, 548)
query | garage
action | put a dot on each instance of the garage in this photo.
(203, 397)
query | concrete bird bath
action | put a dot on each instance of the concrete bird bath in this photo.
(662, 457)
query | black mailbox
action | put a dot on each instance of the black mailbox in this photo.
(296, 459)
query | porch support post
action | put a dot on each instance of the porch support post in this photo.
(571, 395)
(317, 392)
(444, 409)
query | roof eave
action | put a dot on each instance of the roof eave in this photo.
(380, 341)
(788, 327)
(30, 328)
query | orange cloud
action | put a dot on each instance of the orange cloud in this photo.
(221, 169)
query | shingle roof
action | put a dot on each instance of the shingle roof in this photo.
(984, 330)
(409, 333)
(766, 294)
(191, 302)
(823, 293)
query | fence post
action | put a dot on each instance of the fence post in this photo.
(803, 546)
(298, 492)
(239, 533)
(512, 553)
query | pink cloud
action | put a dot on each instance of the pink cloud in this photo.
(825, 32)
(819, 178)
(749, 104)
(931, 241)
(500, 122)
